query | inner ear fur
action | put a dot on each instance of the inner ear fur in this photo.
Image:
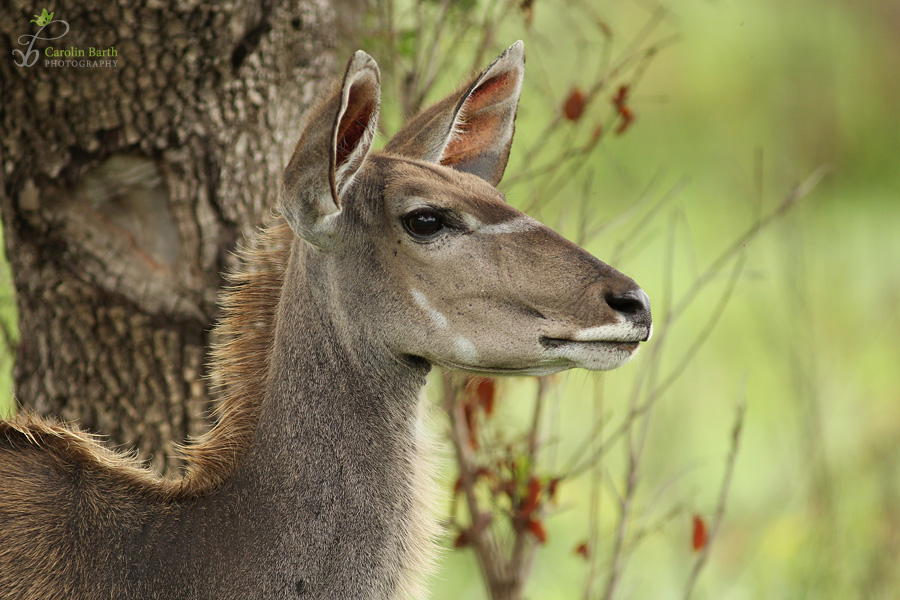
(470, 130)
(354, 125)
(332, 149)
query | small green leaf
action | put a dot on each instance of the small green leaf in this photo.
(43, 18)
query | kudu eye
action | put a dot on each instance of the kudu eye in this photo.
(423, 223)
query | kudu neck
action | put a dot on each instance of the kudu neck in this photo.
(324, 351)
(333, 462)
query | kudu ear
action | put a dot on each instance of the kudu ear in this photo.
(470, 130)
(331, 150)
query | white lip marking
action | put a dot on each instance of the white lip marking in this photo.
(439, 319)
(600, 357)
(465, 349)
(622, 331)
(516, 225)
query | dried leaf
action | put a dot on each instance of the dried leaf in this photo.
(574, 105)
(471, 425)
(621, 97)
(700, 535)
(486, 392)
(536, 528)
(530, 503)
(625, 113)
(627, 119)
(462, 540)
(551, 488)
(583, 550)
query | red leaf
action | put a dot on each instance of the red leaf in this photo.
(620, 101)
(583, 550)
(627, 119)
(621, 97)
(462, 540)
(537, 529)
(700, 537)
(574, 105)
(531, 500)
(551, 488)
(471, 425)
(486, 392)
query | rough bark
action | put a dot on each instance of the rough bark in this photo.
(123, 189)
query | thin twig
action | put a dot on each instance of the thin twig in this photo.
(524, 547)
(702, 558)
(625, 61)
(710, 274)
(594, 509)
(797, 194)
(640, 410)
(479, 536)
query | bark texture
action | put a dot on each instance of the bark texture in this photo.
(124, 188)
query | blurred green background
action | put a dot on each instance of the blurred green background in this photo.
(750, 100)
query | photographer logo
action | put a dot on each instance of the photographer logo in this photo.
(55, 57)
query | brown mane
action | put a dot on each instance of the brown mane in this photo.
(240, 359)
(238, 369)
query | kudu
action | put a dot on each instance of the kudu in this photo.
(311, 483)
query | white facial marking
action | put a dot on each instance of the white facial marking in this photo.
(623, 331)
(597, 357)
(465, 350)
(439, 319)
(516, 225)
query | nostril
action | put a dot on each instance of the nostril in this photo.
(625, 304)
(634, 305)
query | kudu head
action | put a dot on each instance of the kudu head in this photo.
(414, 251)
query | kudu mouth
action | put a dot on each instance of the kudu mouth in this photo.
(595, 355)
(626, 341)
(599, 348)
(554, 343)
(606, 346)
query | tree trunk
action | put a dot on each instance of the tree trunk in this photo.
(125, 184)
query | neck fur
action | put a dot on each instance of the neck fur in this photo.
(321, 436)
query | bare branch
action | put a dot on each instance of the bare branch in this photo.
(797, 194)
(702, 558)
